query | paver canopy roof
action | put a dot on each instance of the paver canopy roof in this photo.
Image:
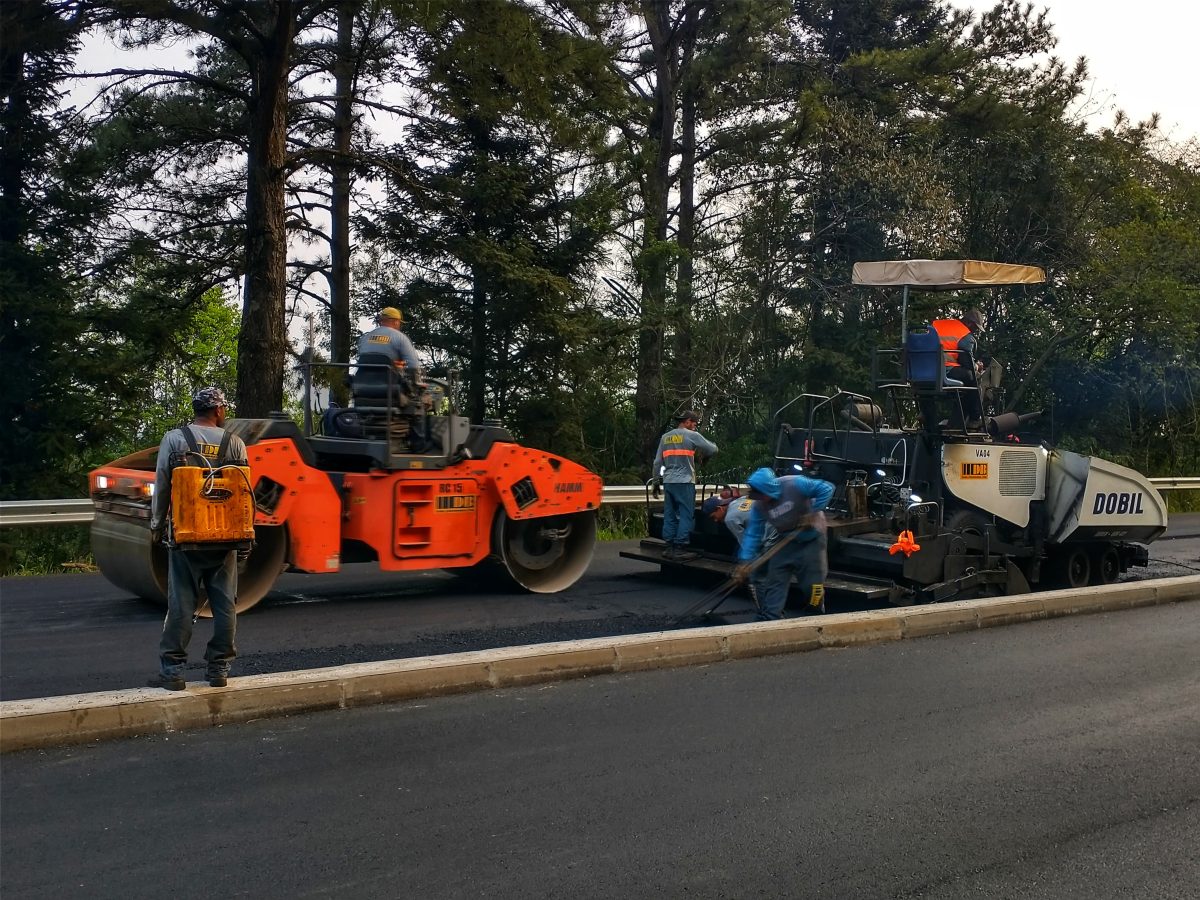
(944, 274)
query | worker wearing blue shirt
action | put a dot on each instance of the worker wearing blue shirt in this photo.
(793, 505)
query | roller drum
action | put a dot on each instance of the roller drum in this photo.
(545, 555)
(126, 556)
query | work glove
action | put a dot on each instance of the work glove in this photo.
(657, 489)
(243, 555)
(156, 535)
(741, 573)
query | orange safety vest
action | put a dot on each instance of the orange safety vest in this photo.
(950, 331)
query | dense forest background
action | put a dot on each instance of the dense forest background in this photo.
(600, 211)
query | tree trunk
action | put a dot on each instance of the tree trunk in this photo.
(14, 115)
(684, 373)
(477, 363)
(339, 249)
(654, 262)
(262, 343)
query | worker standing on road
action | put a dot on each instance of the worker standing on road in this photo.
(388, 339)
(793, 505)
(734, 514)
(213, 570)
(675, 465)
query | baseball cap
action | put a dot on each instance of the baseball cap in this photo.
(975, 317)
(390, 312)
(712, 504)
(210, 398)
(688, 414)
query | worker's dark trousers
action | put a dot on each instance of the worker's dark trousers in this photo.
(803, 557)
(216, 572)
(679, 512)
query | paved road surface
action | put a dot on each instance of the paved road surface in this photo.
(75, 633)
(1052, 759)
(70, 634)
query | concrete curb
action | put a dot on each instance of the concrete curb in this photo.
(79, 718)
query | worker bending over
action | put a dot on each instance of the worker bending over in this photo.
(793, 506)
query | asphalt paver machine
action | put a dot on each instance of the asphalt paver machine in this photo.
(932, 504)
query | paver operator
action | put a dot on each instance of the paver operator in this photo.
(675, 465)
(967, 364)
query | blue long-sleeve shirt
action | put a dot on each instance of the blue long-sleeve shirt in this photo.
(800, 495)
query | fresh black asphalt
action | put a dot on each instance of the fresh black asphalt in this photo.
(1051, 759)
(68, 634)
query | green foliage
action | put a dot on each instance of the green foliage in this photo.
(503, 242)
(44, 550)
(588, 263)
(621, 523)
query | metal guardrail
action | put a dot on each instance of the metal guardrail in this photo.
(79, 512)
(1175, 484)
(45, 512)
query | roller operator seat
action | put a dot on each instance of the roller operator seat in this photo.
(375, 377)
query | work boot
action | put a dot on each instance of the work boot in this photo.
(683, 553)
(167, 682)
(217, 679)
(816, 603)
(668, 551)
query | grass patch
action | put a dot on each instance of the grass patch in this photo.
(621, 523)
(1182, 501)
(45, 550)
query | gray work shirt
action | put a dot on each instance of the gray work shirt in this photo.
(391, 343)
(173, 446)
(677, 451)
(738, 516)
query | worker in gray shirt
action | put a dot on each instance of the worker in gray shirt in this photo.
(203, 442)
(675, 466)
(389, 340)
(733, 513)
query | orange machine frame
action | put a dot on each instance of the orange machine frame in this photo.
(413, 519)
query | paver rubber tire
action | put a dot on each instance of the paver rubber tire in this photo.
(1070, 567)
(1106, 564)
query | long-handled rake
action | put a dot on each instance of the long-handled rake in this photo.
(714, 598)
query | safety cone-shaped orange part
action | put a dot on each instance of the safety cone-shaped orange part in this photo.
(905, 544)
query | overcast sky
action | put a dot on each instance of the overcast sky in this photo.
(1142, 57)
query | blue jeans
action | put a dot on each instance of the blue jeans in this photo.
(803, 557)
(188, 571)
(679, 512)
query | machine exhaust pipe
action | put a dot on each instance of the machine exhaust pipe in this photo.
(1007, 423)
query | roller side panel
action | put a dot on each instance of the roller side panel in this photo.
(289, 491)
